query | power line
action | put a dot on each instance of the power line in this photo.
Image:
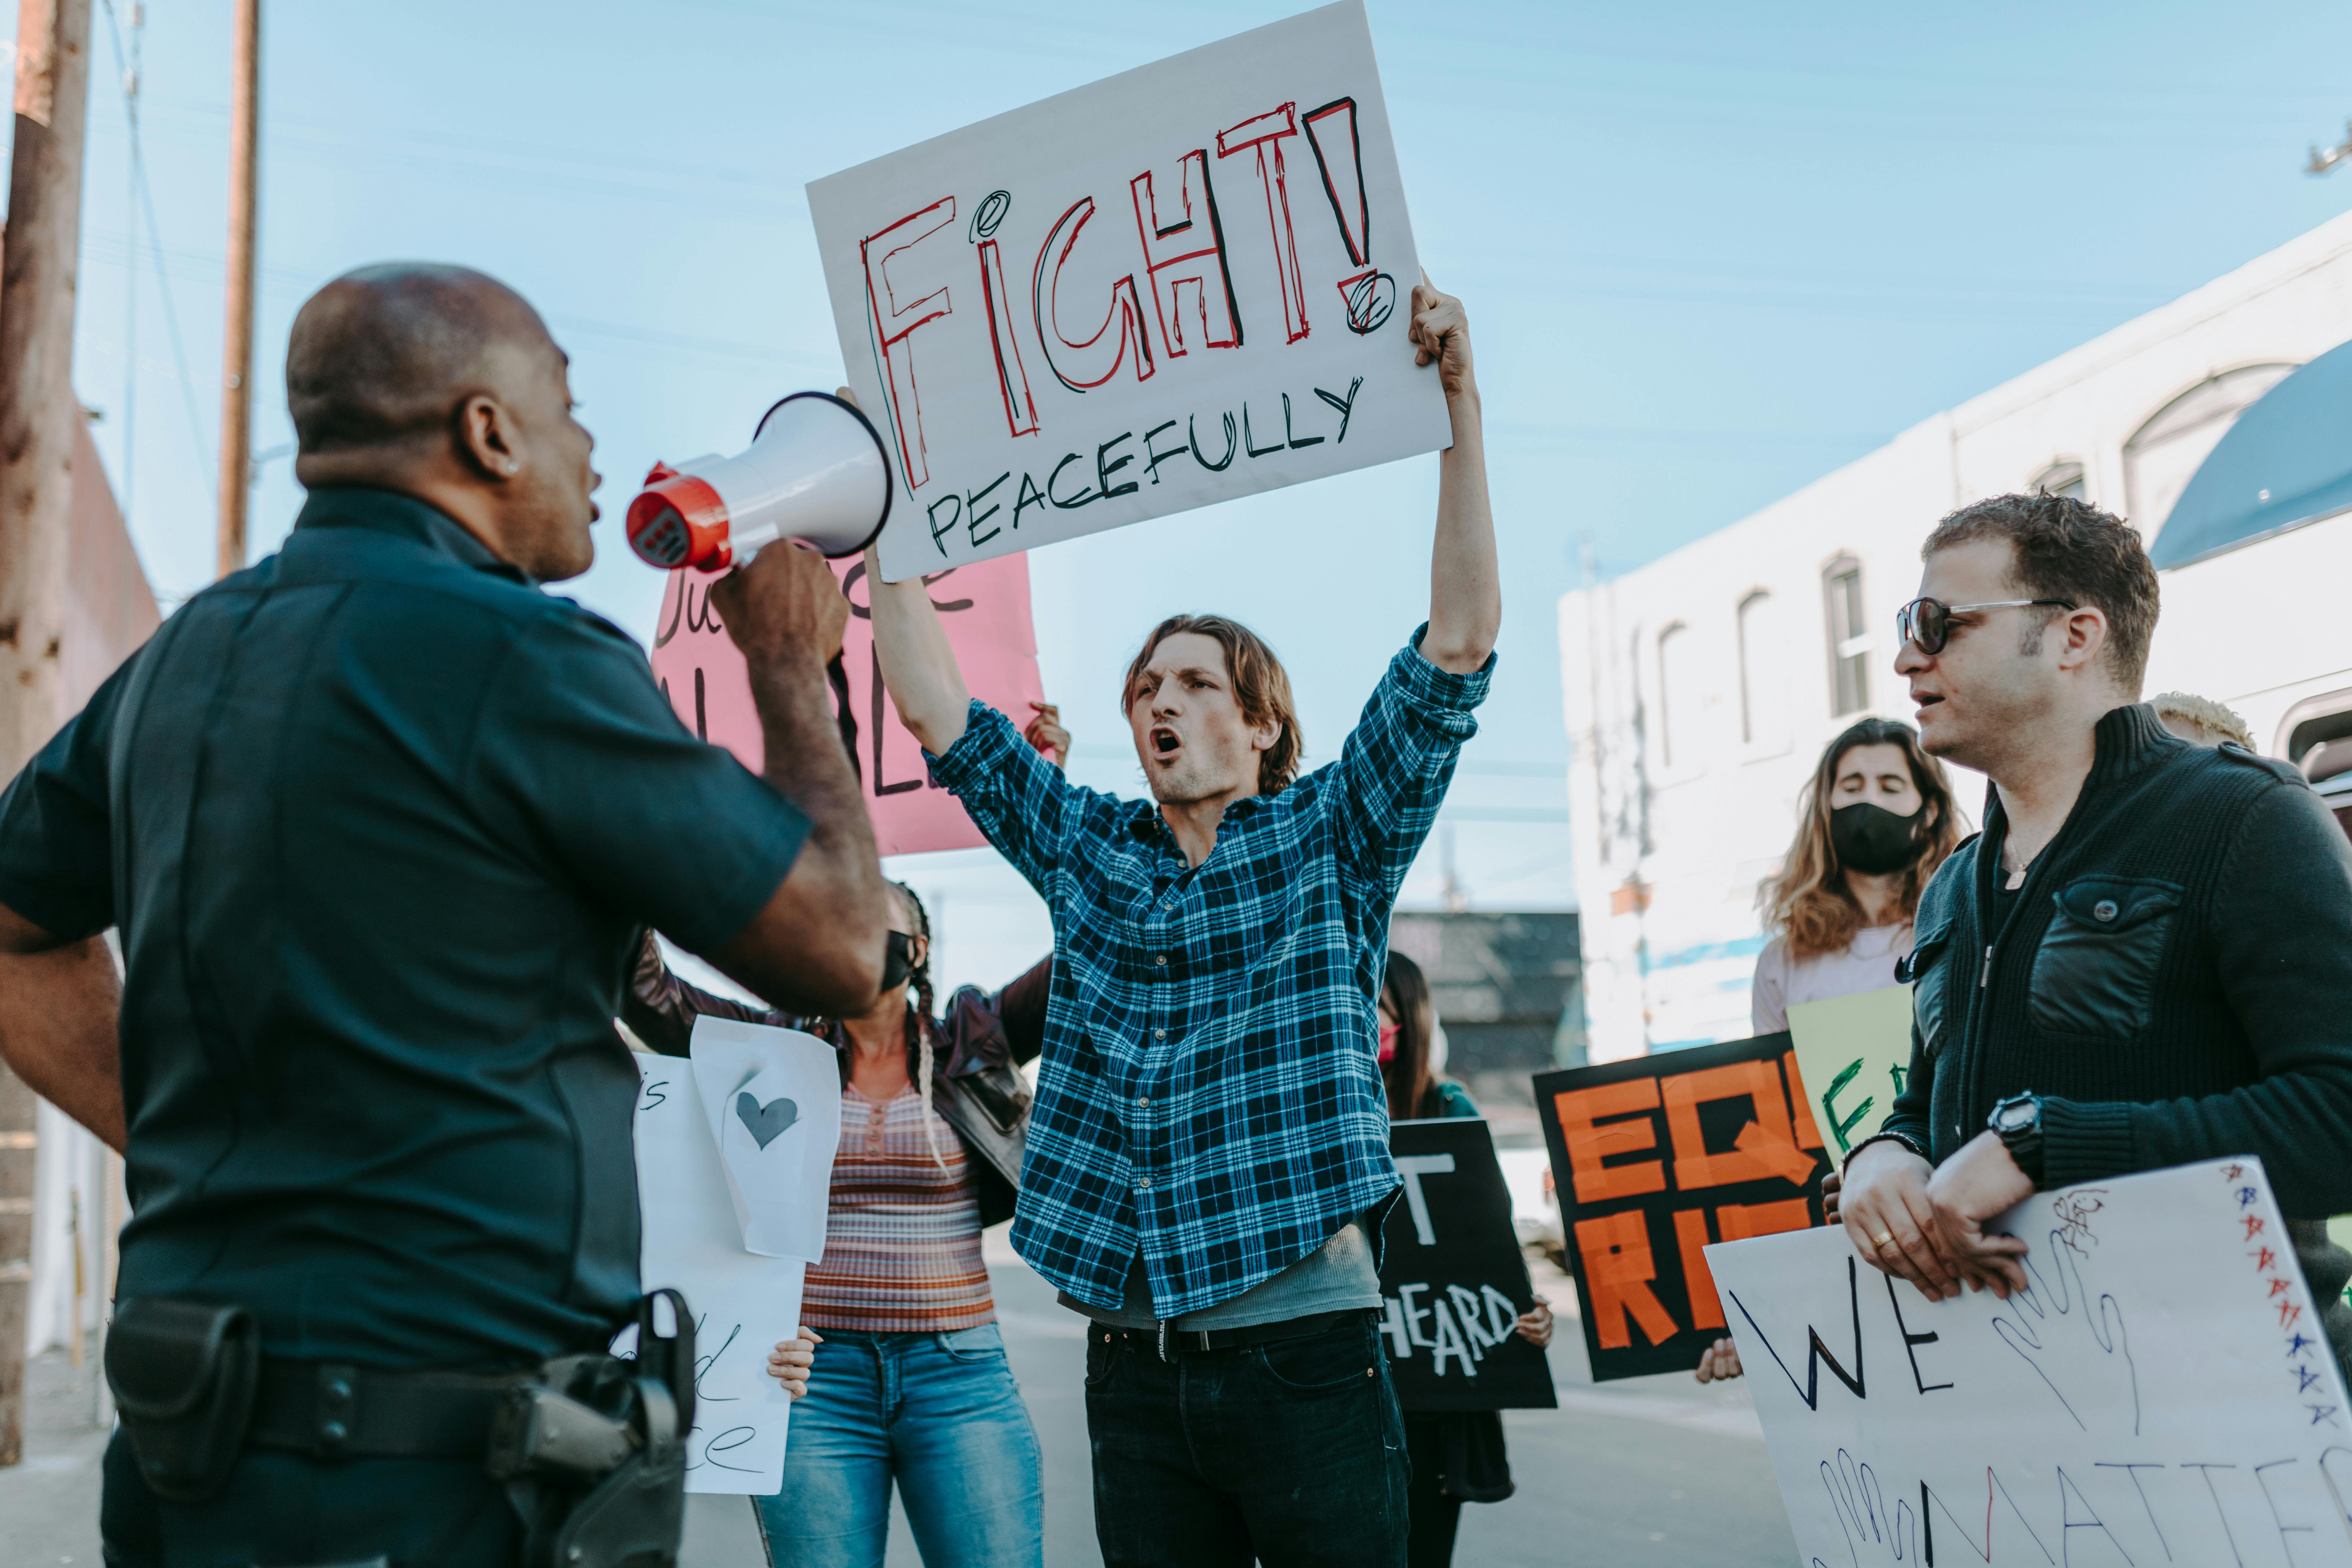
(146, 193)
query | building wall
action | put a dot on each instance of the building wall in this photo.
(1505, 988)
(1693, 724)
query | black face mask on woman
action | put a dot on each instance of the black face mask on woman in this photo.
(1872, 840)
(898, 958)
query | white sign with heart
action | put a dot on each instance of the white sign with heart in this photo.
(773, 1098)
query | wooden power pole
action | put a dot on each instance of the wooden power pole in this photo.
(39, 417)
(237, 351)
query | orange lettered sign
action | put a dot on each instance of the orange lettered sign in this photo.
(1662, 1156)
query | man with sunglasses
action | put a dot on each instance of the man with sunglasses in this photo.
(2146, 957)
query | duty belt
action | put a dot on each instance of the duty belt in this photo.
(329, 1410)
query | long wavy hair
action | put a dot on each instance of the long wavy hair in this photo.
(1412, 1088)
(1807, 900)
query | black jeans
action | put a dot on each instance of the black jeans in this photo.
(1291, 1453)
(287, 1510)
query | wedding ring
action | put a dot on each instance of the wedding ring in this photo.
(1878, 1243)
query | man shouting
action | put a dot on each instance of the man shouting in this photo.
(1208, 1159)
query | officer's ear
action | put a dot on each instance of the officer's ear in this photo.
(485, 438)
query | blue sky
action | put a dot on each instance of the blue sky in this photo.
(1710, 252)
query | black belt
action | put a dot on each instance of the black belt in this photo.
(1167, 1341)
(331, 1411)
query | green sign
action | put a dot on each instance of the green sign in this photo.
(1852, 1053)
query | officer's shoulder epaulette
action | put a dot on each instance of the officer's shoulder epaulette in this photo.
(2286, 773)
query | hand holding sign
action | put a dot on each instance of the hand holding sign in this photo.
(692, 1240)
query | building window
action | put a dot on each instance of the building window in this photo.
(1673, 695)
(2316, 737)
(1754, 610)
(2164, 454)
(2064, 479)
(1849, 640)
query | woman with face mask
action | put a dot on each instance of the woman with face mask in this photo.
(1873, 825)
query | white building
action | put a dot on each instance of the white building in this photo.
(1701, 688)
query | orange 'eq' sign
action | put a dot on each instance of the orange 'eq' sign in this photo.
(1663, 1155)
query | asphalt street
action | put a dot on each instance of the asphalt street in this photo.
(1642, 1474)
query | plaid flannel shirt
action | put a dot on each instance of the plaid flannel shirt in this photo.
(1210, 1093)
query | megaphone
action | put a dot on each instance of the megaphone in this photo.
(817, 471)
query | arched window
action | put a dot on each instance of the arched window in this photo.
(2164, 453)
(1676, 698)
(1849, 638)
(1759, 695)
(2063, 478)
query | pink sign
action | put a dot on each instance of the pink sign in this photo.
(985, 607)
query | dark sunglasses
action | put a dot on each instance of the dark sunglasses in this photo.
(1927, 622)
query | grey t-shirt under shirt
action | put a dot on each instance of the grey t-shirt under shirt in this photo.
(1338, 1277)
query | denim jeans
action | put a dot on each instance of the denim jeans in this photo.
(940, 1414)
(1290, 1452)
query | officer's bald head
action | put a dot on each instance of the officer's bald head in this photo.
(441, 382)
(383, 356)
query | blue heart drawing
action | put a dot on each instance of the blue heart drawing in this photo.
(766, 1122)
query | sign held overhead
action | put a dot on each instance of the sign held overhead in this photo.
(1185, 283)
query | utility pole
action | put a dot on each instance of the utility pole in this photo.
(237, 351)
(38, 412)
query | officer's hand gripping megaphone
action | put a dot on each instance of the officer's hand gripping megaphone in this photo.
(815, 471)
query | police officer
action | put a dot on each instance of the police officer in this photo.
(380, 824)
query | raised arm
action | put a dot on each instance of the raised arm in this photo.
(1465, 591)
(918, 666)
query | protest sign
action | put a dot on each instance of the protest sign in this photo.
(771, 1098)
(1653, 1159)
(741, 1304)
(1185, 283)
(1452, 1279)
(984, 607)
(2163, 1393)
(1852, 1054)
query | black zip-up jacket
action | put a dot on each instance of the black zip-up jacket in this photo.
(2174, 979)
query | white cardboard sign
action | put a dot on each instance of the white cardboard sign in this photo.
(2162, 1396)
(1182, 284)
(772, 1100)
(742, 1304)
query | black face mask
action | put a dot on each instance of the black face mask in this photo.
(1872, 840)
(898, 959)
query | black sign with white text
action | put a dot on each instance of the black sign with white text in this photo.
(1453, 1279)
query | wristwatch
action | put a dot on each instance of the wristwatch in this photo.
(2017, 1119)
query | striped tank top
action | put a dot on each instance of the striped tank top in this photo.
(901, 1236)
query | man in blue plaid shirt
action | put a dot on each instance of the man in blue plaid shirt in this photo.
(1208, 1160)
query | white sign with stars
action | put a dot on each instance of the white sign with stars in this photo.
(2163, 1395)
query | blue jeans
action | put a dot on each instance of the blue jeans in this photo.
(942, 1416)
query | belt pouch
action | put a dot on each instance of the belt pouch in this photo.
(183, 1374)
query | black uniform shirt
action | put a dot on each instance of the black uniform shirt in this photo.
(380, 821)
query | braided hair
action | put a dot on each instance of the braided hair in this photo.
(919, 1025)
